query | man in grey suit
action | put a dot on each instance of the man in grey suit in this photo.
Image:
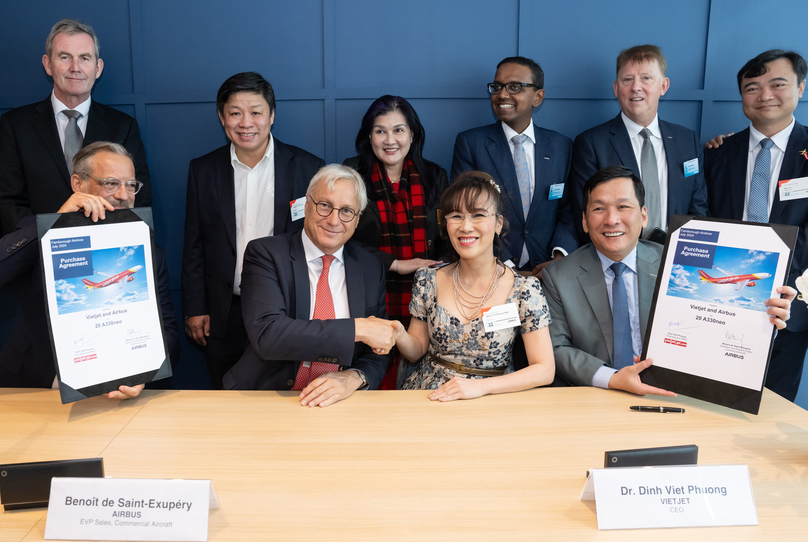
(582, 289)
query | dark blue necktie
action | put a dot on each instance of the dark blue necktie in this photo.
(623, 351)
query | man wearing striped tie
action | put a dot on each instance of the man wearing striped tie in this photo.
(743, 177)
(314, 302)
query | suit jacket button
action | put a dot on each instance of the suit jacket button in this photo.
(527, 232)
(290, 383)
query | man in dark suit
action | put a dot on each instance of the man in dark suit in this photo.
(236, 193)
(775, 146)
(314, 302)
(530, 164)
(596, 329)
(38, 141)
(672, 153)
(26, 360)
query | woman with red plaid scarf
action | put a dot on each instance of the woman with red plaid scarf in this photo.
(400, 224)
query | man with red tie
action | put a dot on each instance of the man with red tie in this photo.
(314, 303)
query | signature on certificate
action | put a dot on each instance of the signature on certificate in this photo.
(678, 325)
(729, 336)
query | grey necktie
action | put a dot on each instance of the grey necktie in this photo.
(650, 180)
(523, 177)
(73, 137)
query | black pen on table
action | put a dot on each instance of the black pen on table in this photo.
(660, 409)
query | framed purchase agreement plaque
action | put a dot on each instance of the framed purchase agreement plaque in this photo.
(708, 331)
(103, 312)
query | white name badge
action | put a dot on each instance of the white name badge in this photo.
(794, 189)
(500, 317)
(691, 167)
(125, 509)
(298, 207)
(657, 497)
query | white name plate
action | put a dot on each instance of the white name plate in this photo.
(125, 509)
(685, 496)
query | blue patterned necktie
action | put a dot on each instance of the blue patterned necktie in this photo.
(523, 176)
(623, 350)
(522, 171)
(758, 207)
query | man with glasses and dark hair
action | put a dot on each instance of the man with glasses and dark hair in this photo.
(103, 180)
(743, 181)
(237, 193)
(530, 164)
(666, 156)
(314, 302)
(38, 141)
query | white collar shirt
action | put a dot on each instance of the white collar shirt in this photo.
(62, 119)
(778, 151)
(634, 130)
(255, 203)
(336, 277)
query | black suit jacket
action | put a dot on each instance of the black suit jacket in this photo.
(276, 305)
(369, 230)
(725, 172)
(209, 252)
(26, 360)
(609, 145)
(33, 173)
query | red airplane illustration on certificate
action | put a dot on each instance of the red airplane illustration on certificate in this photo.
(741, 280)
(122, 278)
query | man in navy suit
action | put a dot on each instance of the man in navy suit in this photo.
(237, 193)
(26, 360)
(775, 145)
(537, 203)
(34, 169)
(314, 302)
(674, 149)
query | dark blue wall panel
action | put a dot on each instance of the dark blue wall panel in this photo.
(329, 59)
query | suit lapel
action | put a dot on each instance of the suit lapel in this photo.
(737, 156)
(594, 288)
(674, 158)
(542, 157)
(223, 180)
(45, 125)
(647, 270)
(354, 282)
(499, 152)
(300, 269)
(283, 184)
(97, 125)
(794, 166)
(622, 144)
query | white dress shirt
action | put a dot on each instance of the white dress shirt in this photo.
(255, 203)
(336, 277)
(602, 375)
(634, 130)
(778, 150)
(62, 120)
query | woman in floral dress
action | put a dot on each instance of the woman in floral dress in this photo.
(465, 316)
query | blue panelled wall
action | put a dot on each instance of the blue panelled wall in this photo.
(328, 59)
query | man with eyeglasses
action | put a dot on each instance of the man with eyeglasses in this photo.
(103, 180)
(530, 164)
(314, 302)
(38, 141)
(666, 156)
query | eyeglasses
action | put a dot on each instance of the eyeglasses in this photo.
(514, 87)
(324, 209)
(476, 218)
(112, 185)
